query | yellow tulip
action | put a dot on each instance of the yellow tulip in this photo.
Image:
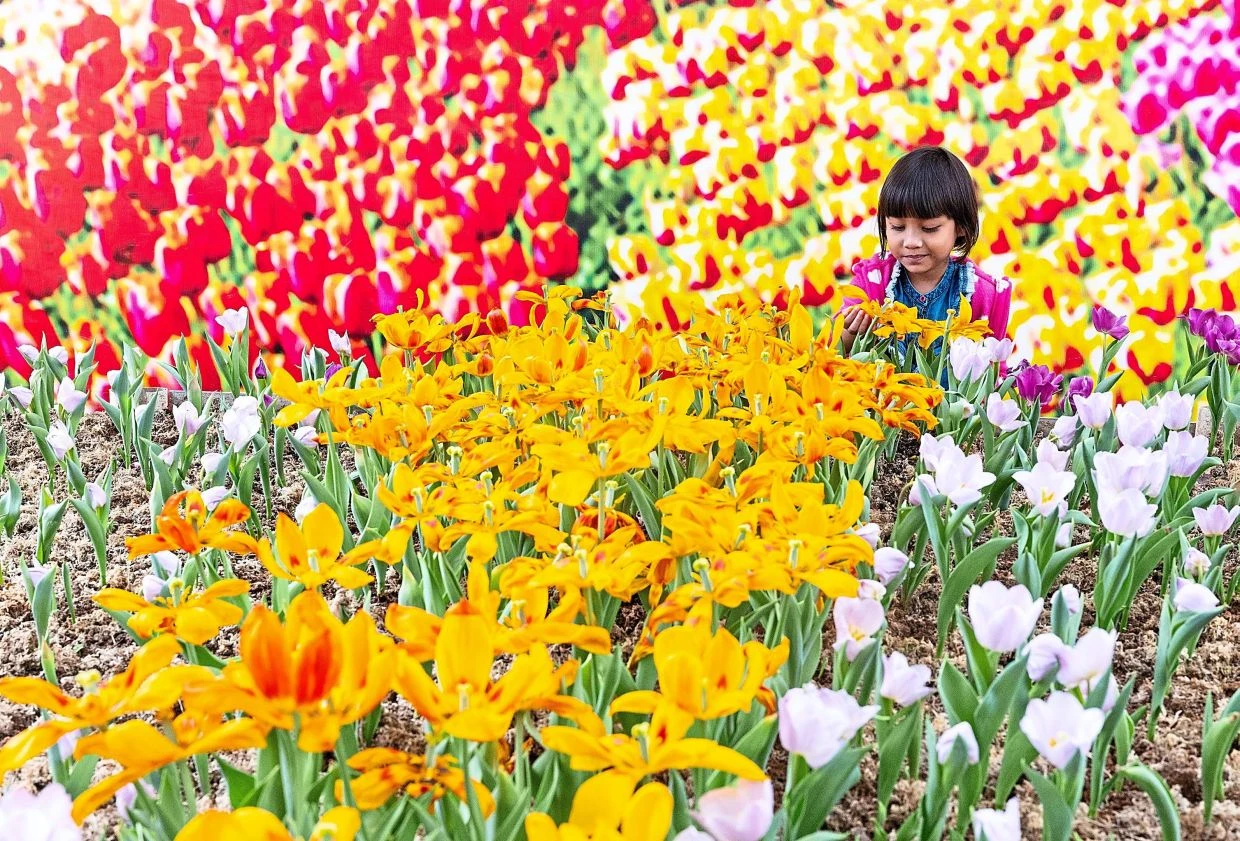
(606, 808)
(657, 746)
(385, 771)
(310, 554)
(465, 702)
(707, 676)
(527, 622)
(193, 617)
(140, 749)
(253, 824)
(147, 684)
(312, 668)
(192, 530)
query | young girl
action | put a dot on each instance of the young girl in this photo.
(927, 223)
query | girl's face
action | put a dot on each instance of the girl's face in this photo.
(923, 246)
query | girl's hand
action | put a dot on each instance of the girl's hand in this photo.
(856, 322)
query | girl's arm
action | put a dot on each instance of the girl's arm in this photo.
(869, 276)
(994, 302)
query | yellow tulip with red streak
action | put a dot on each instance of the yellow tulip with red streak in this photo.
(311, 669)
(192, 617)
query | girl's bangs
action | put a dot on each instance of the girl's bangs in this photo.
(913, 201)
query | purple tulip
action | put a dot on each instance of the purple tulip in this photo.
(260, 370)
(332, 370)
(1079, 387)
(1105, 321)
(1196, 318)
(1036, 382)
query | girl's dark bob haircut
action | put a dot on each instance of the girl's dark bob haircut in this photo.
(926, 183)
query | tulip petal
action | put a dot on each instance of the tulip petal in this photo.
(571, 487)
(649, 814)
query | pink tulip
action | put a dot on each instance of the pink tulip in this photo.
(1002, 617)
(741, 812)
(1059, 727)
(817, 723)
(902, 683)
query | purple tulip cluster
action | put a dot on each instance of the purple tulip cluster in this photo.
(1218, 330)
(1036, 382)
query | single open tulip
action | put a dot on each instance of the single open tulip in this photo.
(1002, 617)
(817, 723)
(1059, 727)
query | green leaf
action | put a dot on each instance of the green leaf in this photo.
(1217, 739)
(511, 808)
(1156, 788)
(1056, 813)
(11, 507)
(755, 744)
(44, 603)
(963, 577)
(80, 776)
(644, 501)
(959, 696)
(146, 420)
(910, 522)
(893, 746)
(680, 800)
(817, 793)
(242, 787)
(998, 700)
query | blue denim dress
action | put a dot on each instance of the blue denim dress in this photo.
(934, 304)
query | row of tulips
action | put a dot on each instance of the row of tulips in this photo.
(177, 158)
(766, 132)
(512, 489)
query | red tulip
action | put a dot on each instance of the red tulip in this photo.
(555, 251)
(151, 317)
(351, 301)
(546, 200)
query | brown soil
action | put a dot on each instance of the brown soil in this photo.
(95, 641)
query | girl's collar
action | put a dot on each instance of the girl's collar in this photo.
(967, 287)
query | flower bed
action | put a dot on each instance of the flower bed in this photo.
(565, 580)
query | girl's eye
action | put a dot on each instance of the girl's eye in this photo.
(931, 230)
(896, 227)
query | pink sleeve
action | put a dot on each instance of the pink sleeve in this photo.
(994, 303)
(862, 270)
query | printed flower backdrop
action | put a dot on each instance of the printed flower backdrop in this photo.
(316, 164)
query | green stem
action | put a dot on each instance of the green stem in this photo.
(288, 780)
(344, 751)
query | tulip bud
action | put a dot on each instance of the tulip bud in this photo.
(497, 322)
(645, 360)
(484, 365)
(1196, 562)
(869, 533)
(95, 495)
(1002, 617)
(340, 342)
(816, 723)
(961, 733)
(1193, 597)
(993, 825)
(152, 587)
(902, 683)
(889, 563)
